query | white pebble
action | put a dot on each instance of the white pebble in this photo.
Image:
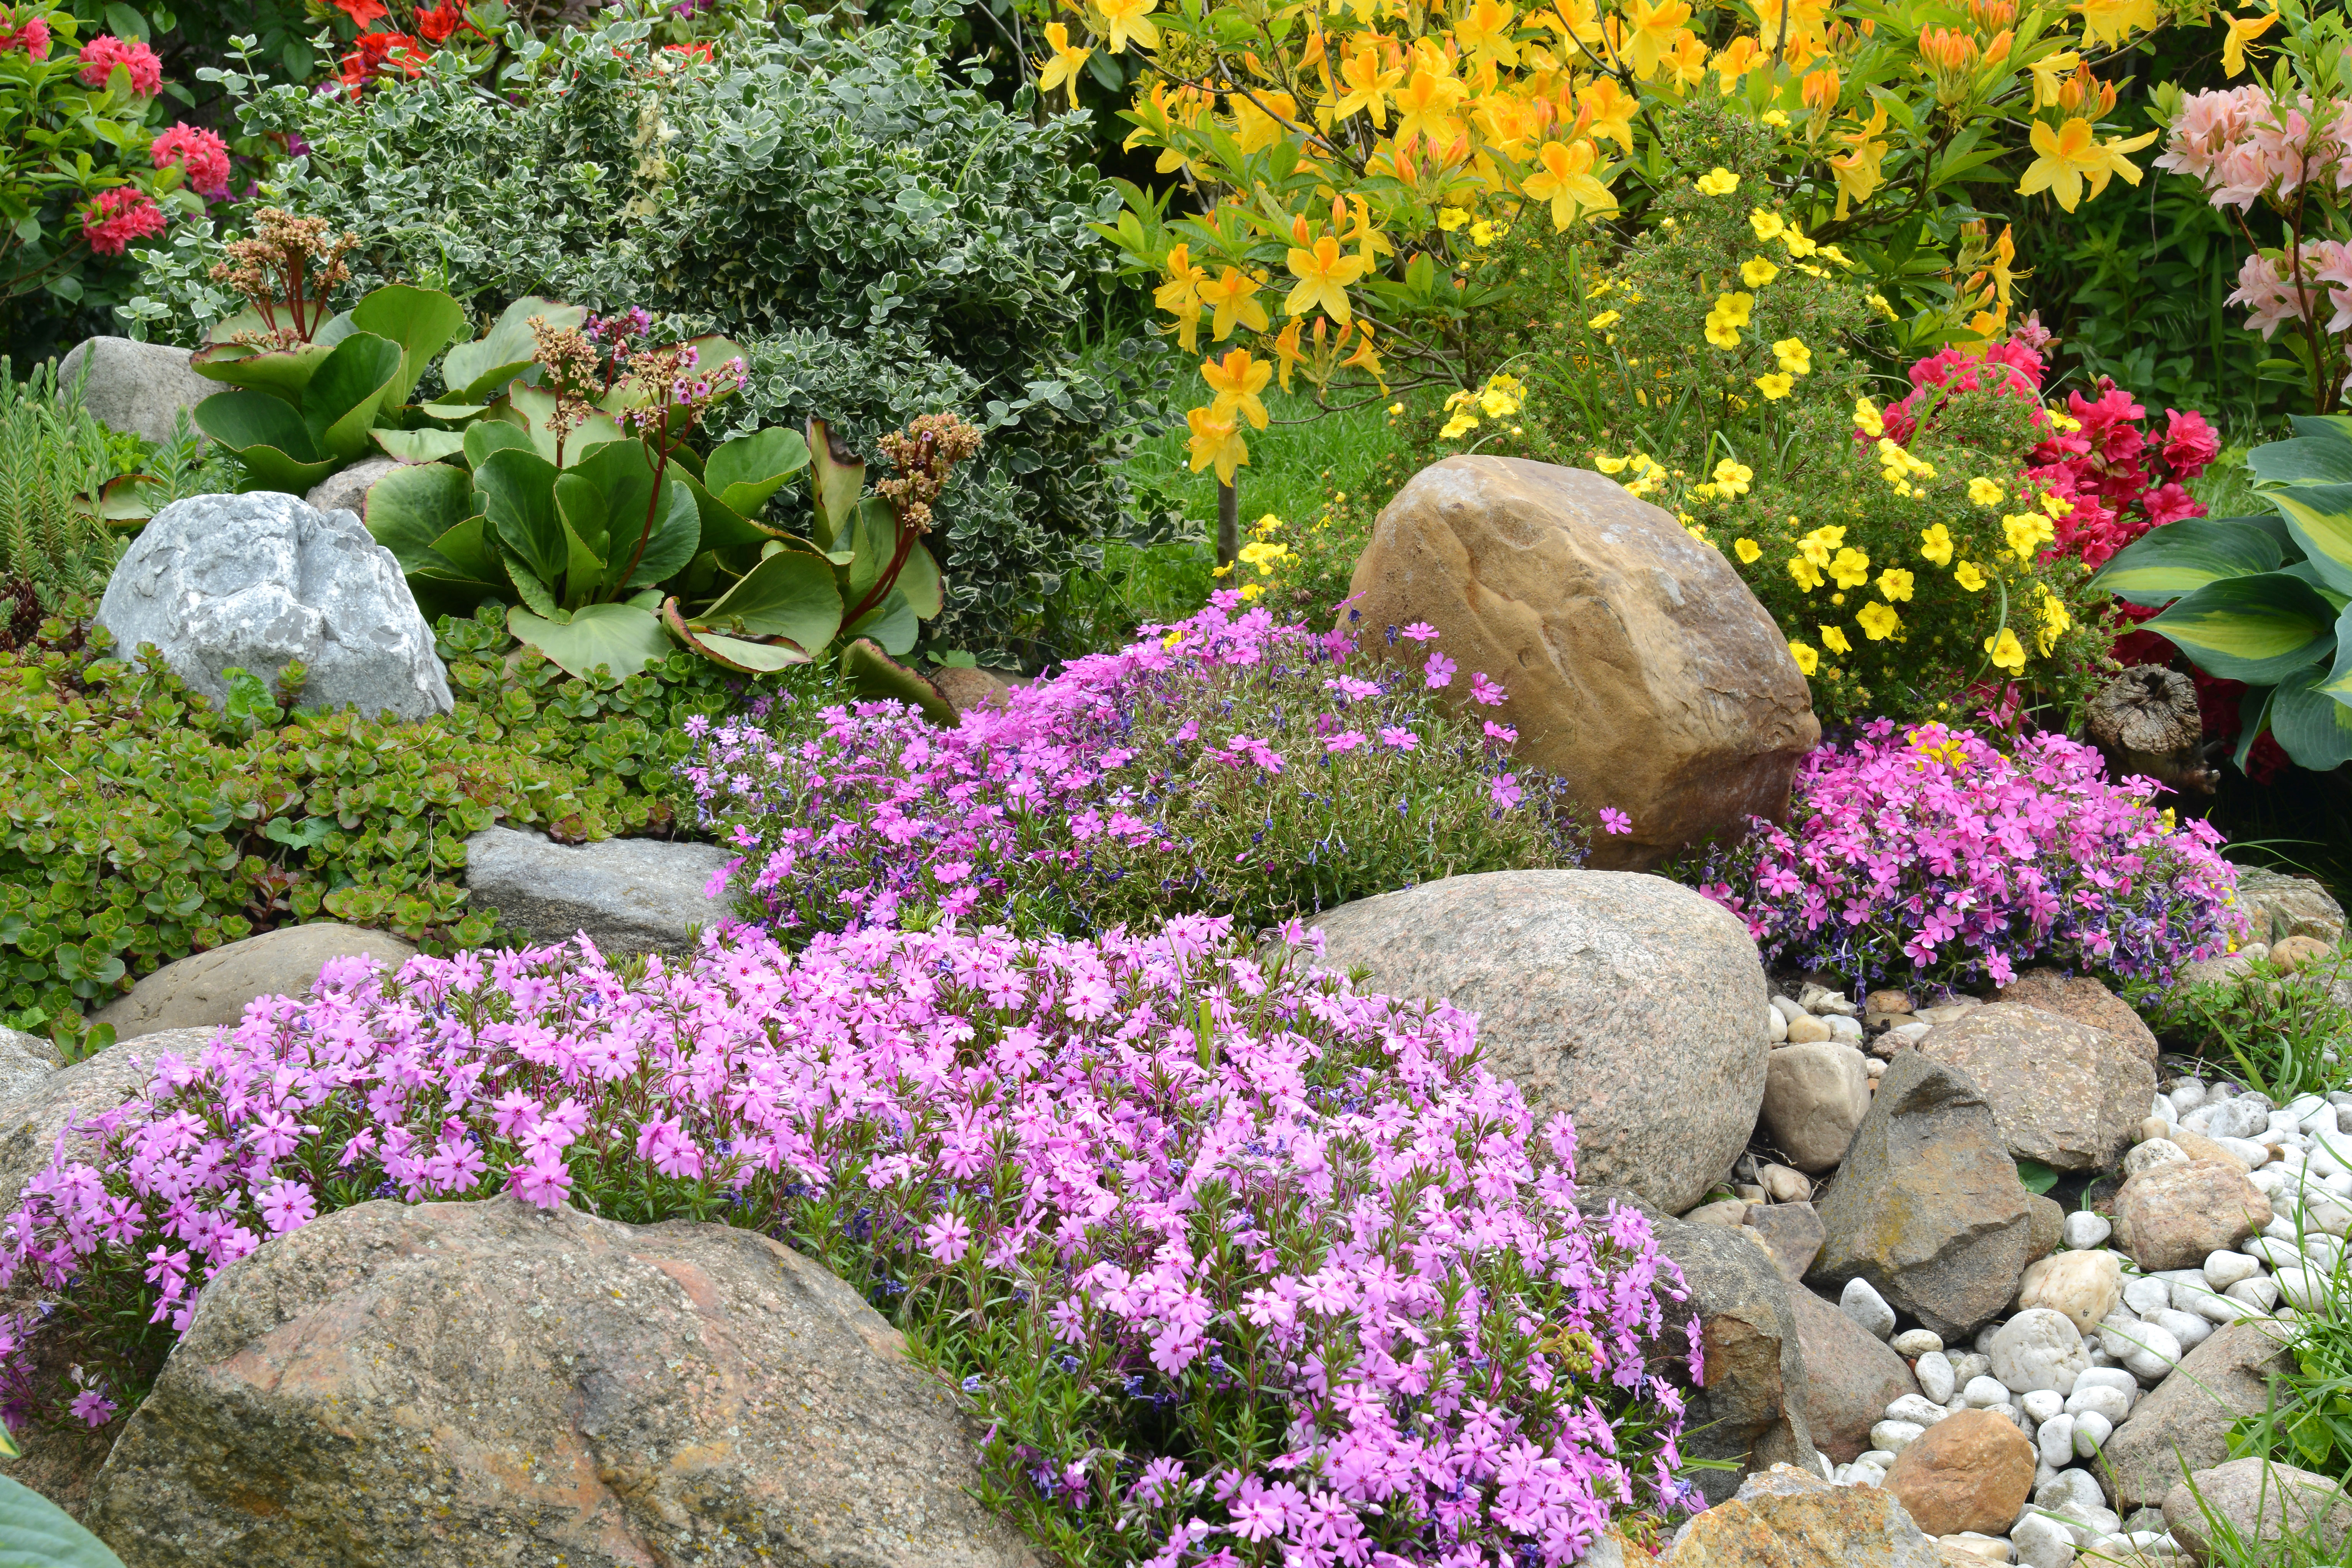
(1916, 1341)
(1868, 1307)
(2187, 1095)
(1863, 1474)
(2155, 1354)
(1934, 1371)
(2191, 1329)
(2146, 1295)
(2088, 1398)
(2247, 1150)
(2306, 1289)
(2259, 1293)
(1970, 1366)
(1845, 1029)
(1895, 1436)
(2156, 1151)
(2056, 1439)
(2042, 1543)
(1776, 1028)
(2091, 1431)
(2223, 1270)
(2161, 1109)
(2043, 1404)
(2084, 1230)
(1984, 1392)
(1916, 1410)
(1878, 1457)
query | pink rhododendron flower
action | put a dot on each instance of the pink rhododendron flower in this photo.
(118, 216)
(102, 54)
(201, 153)
(31, 35)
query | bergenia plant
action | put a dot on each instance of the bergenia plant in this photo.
(1229, 765)
(1929, 852)
(1233, 1264)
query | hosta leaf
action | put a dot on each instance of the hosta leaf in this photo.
(2182, 557)
(36, 1533)
(2303, 460)
(2313, 727)
(2320, 519)
(2256, 628)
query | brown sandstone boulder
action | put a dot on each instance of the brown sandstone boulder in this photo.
(1638, 665)
(2065, 1093)
(2085, 1000)
(209, 990)
(1851, 1376)
(2176, 1216)
(2183, 1423)
(1787, 1519)
(1970, 1471)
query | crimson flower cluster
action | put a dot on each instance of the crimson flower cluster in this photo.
(117, 217)
(29, 35)
(201, 153)
(1936, 853)
(103, 53)
(1241, 1266)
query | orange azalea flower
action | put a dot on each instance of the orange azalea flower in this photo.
(1323, 274)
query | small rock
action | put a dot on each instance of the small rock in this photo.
(2188, 1328)
(1774, 1508)
(2176, 1216)
(1895, 1436)
(346, 490)
(1984, 1392)
(2042, 1543)
(2186, 1094)
(1814, 1096)
(2305, 1289)
(1804, 1029)
(2092, 1430)
(2260, 1294)
(1916, 1341)
(2084, 1286)
(2156, 1151)
(1776, 1024)
(2151, 1352)
(2145, 1294)
(1783, 1185)
(210, 990)
(628, 895)
(967, 690)
(2260, 1502)
(26, 1062)
(2228, 1119)
(1730, 1211)
(1867, 1308)
(2056, 1439)
(1970, 1364)
(2084, 1229)
(2111, 1404)
(1887, 1002)
(1970, 1472)
(1917, 1409)
(134, 387)
(2197, 1146)
(1971, 1546)
(1793, 1233)
(1946, 1012)
(1845, 1029)
(2039, 1348)
(2300, 953)
(1934, 1371)
(2280, 905)
(2041, 1404)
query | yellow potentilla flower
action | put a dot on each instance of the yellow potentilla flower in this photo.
(1703, 492)
(1793, 356)
(1807, 659)
(1775, 385)
(1609, 464)
(1808, 575)
(1734, 307)
(1833, 639)
(1732, 477)
(1606, 319)
(1866, 417)
(1717, 182)
(1984, 492)
(1878, 621)
(1720, 332)
(1755, 272)
(1775, 119)
(1895, 583)
(2007, 652)
(2056, 506)
(1451, 218)
(1482, 233)
(1768, 225)
(2027, 531)
(1829, 533)
(1461, 423)
(1747, 550)
(1935, 544)
(1851, 568)
(1816, 548)
(1878, 303)
(2054, 622)
(1799, 246)
(1966, 576)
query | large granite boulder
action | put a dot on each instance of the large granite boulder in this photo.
(1638, 665)
(2259, 1505)
(1851, 1376)
(629, 895)
(443, 1385)
(1928, 1207)
(2065, 1093)
(2183, 1423)
(2278, 906)
(258, 582)
(2084, 1000)
(1787, 1519)
(211, 989)
(134, 386)
(1630, 1003)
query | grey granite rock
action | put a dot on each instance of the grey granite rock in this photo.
(1630, 1003)
(211, 989)
(629, 895)
(256, 581)
(2259, 1504)
(2183, 1423)
(2062, 1091)
(346, 490)
(135, 386)
(2280, 906)
(26, 1062)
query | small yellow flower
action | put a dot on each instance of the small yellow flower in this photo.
(1794, 238)
(1775, 119)
(1878, 621)
(2027, 531)
(1833, 639)
(1732, 478)
(1866, 417)
(1966, 576)
(1793, 356)
(1935, 544)
(1808, 575)
(1774, 386)
(1816, 548)
(1734, 307)
(1482, 233)
(1807, 659)
(1768, 225)
(1606, 319)
(1717, 182)
(1720, 332)
(1747, 550)
(1984, 492)
(1851, 568)
(1878, 303)
(1755, 272)
(1831, 534)
(1395, 409)
(1457, 426)
(1895, 583)
(1608, 465)
(2056, 506)
(2054, 622)
(2007, 652)
(1451, 218)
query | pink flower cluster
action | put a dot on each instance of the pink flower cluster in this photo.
(1203, 1183)
(1229, 765)
(31, 34)
(2120, 482)
(201, 153)
(2241, 144)
(1933, 852)
(116, 217)
(102, 54)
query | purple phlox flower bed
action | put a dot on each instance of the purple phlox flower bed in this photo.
(1241, 1266)
(1932, 851)
(1229, 765)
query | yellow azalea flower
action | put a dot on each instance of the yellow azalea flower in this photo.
(1732, 477)
(1368, 87)
(1181, 295)
(1774, 386)
(2244, 30)
(1234, 297)
(1866, 417)
(1323, 274)
(1850, 569)
(1717, 182)
(1237, 380)
(1984, 492)
(1768, 225)
(1747, 550)
(1966, 576)
(1878, 622)
(1605, 320)
(2112, 21)
(1128, 20)
(1807, 659)
(1656, 31)
(1808, 575)
(1062, 68)
(1609, 464)
(1937, 545)
(1451, 218)
(1793, 356)
(2071, 155)
(1755, 272)
(1720, 332)
(1734, 307)
(1564, 177)
(1833, 639)
(1216, 439)
(2007, 652)
(1895, 583)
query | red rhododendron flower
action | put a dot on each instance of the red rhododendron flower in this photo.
(102, 54)
(119, 216)
(2190, 444)
(361, 12)
(435, 24)
(32, 36)
(374, 51)
(201, 153)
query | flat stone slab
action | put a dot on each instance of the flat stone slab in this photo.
(627, 895)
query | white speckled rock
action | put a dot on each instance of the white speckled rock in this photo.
(1934, 1371)
(2039, 1348)
(1867, 1308)
(2084, 1229)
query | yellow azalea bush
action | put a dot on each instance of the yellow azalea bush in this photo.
(1353, 171)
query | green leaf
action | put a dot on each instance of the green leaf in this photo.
(421, 320)
(2254, 721)
(624, 639)
(479, 370)
(422, 446)
(2319, 517)
(722, 526)
(280, 372)
(269, 438)
(872, 673)
(2035, 1176)
(836, 479)
(411, 508)
(733, 653)
(36, 1533)
(339, 405)
(891, 623)
(744, 472)
(494, 435)
(2182, 557)
(873, 537)
(789, 595)
(2315, 728)
(518, 498)
(536, 407)
(2255, 628)
(125, 23)
(625, 475)
(918, 580)
(2307, 459)
(472, 548)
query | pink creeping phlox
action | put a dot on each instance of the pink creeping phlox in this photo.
(1933, 852)
(1226, 1198)
(1228, 764)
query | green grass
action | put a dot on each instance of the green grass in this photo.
(1296, 463)
(2227, 488)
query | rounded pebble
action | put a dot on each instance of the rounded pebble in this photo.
(1916, 1341)
(2083, 1229)
(1934, 1371)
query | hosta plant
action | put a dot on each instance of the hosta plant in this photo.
(2264, 599)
